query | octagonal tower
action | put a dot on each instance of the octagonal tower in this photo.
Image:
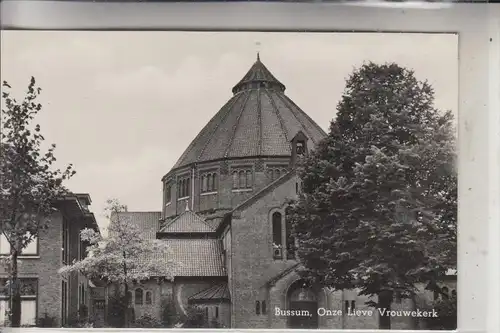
(252, 140)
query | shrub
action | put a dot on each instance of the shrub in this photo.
(148, 321)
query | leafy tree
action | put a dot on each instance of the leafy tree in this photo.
(124, 257)
(29, 187)
(379, 201)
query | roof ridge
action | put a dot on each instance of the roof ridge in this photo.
(228, 111)
(299, 110)
(259, 120)
(309, 136)
(243, 108)
(193, 143)
(278, 114)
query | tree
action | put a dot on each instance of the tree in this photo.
(29, 187)
(379, 201)
(124, 257)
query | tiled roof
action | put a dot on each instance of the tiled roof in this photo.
(197, 257)
(148, 222)
(258, 73)
(217, 292)
(256, 121)
(187, 222)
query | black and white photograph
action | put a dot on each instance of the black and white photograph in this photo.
(248, 180)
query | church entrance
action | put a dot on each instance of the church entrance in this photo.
(303, 302)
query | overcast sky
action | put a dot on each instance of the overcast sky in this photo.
(123, 106)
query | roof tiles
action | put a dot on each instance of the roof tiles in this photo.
(259, 120)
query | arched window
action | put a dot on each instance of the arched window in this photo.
(204, 182)
(264, 308)
(210, 184)
(249, 182)
(214, 182)
(277, 173)
(235, 180)
(277, 236)
(188, 188)
(243, 180)
(168, 193)
(257, 307)
(138, 296)
(149, 299)
(290, 239)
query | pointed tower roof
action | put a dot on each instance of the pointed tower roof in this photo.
(258, 74)
(259, 120)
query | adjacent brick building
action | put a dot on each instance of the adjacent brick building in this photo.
(223, 214)
(44, 292)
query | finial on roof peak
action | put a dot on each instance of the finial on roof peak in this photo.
(258, 56)
(187, 206)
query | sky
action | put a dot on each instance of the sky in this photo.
(123, 106)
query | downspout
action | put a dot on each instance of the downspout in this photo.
(192, 188)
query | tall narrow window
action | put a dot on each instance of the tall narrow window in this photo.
(210, 181)
(149, 299)
(214, 180)
(257, 307)
(216, 312)
(277, 236)
(243, 180)
(235, 180)
(264, 308)
(204, 183)
(183, 188)
(249, 182)
(138, 296)
(353, 305)
(290, 239)
(168, 193)
(346, 306)
(206, 313)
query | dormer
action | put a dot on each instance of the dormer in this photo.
(299, 147)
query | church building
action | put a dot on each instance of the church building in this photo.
(223, 215)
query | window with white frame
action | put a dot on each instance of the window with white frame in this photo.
(242, 179)
(208, 182)
(183, 187)
(29, 292)
(275, 172)
(31, 248)
(168, 193)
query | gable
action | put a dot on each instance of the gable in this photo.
(188, 222)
